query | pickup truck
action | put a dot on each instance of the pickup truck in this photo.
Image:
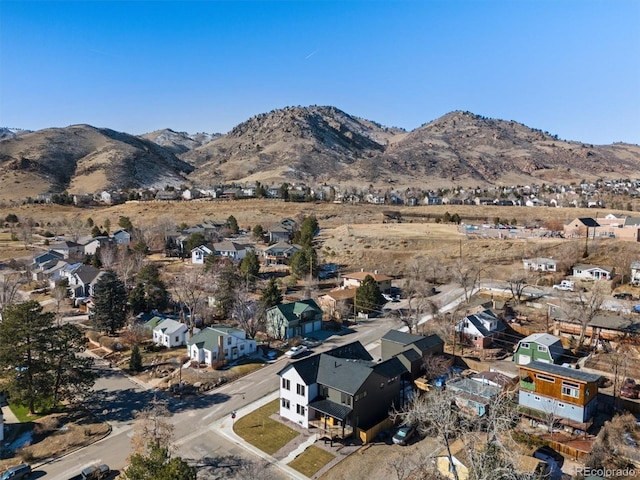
(565, 285)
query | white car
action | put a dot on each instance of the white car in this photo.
(294, 352)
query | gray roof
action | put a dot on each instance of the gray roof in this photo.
(207, 338)
(343, 374)
(620, 323)
(333, 409)
(423, 343)
(541, 339)
(228, 246)
(559, 370)
(584, 266)
(631, 221)
(87, 273)
(476, 320)
(170, 326)
(472, 387)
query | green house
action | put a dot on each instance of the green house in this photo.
(296, 319)
(538, 346)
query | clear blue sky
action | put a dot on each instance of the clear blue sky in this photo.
(570, 67)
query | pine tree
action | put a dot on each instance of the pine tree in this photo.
(271, 295)
(135, 361)
(110, 301)
(368, 296)
(250, 267)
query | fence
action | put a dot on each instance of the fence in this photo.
(367, 436)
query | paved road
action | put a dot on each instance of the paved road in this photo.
(117, 398)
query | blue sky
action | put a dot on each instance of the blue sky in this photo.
(570, 67)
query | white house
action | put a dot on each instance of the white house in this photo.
(219, 343)
(480, 329)
(170, 333)
(198, 254)
(635, 272)
(591, 272)
(298, 387)
(232, 250)
(190, 194)
(540, 264)
(91, 246)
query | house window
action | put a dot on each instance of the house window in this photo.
(286, 403)
(571, 389)
(286, 384)
(360, 396)
(300, 409)
(536, 398)
(345, 399)
(525, 345)
(300, 389)
(545, 378)
(177, 339)
(228, 340)
(542, 348)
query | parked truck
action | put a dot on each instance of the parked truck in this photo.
(566, 285)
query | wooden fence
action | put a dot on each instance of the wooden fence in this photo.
(367, 436)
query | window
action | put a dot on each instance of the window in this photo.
(229, 340)
(345, 399)
(286, 403)
(300, 409)
(525, 345)
(300, 389)
(177, 339)
(536, 398)
(545, 378)
(286, 384)
(360, 396)
(571, 389)
(542, 348)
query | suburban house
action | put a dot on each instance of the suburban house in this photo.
(82, 279)
(591, 272)
(496, 379)
(46, 257)
(198, 254)
(562, 393)
(231, 250)
(91, 246)
(462, 451)
(170, 333)
(48, 270)
(68, 249)
(580, 227)
(471, 396)
(410, 349)
(342, 391)
(219, 343)
(480, 329)
(540, 347)
(121, 237)
(279, 253)
(280, 233)
(608, 326)
(540, 264)
(338, 303)
(289, 320)
(354, 280)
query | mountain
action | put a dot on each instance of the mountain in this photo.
(179, 142)
(86, 159)
(11, 132)
(293, 143)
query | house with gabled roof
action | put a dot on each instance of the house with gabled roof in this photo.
(200, 253)
(541, 347)
(480, 329)
(170, 333)
(540, 264)
(592, 272)
(289, 320)
(232, 250)
(331, 301)
(121, 237)
(219, 343)
(92, 245)
(579, 227)
(410, 349)
(355, 279)
(340, 391)
(68, 249)
(279, 253)
(280, 233)
(46, 257)
(82, 279)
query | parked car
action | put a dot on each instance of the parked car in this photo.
(549, 455)
(17, 473)
(630, 389)
(404, 434)
(272, 354)
(95, 472)
(311, 342)
(294, 352)
(623, 296)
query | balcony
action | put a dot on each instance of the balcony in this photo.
(527, 385)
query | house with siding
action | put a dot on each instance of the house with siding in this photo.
(354, 280)
(219, 343)
(341, 391)
(552, 391)
(200, 253)
(279, 253)
(592, 272)
(540, 347)
(231, 250)
(170, 333)
(540, 264)
(289, 320)
(480, 329)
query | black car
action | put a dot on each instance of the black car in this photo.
(623, 296)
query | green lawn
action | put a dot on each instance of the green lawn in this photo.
(22, 413)
(263, 432)
(311, 460)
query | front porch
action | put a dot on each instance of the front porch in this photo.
(332, 418)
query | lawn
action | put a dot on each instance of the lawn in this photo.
(263, 432)
(22, 413)
(311, 460)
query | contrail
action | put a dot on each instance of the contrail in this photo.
(311, 54)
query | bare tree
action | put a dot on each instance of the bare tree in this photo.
(10, 284)
(136, 334)
(152, 428)
(190, 294)
(467, 274)
(75, 226)
(108, 256)
(585, 308)
(59, 293)
(517, 285)
(417, 305)
(434, 366)
(26, 231)
(128, 263)
(245, 311)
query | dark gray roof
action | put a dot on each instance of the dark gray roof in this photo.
(353, 350)
(578, 375)
(390, 368)
(411, 355)
(343, 374)
(403, 338)
(476, 320)
(427, 343)
(333, 409)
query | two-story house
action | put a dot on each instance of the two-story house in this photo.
(279, 253)
(81, 278)
(551, 391)
(170, 333)
(480, 329)
(219, 343)
(289, 320)
(354, 280)
(200, 253)
(341, 390)
(538, 347)
(410, 349)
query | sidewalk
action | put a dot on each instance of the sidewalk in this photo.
(225, 428)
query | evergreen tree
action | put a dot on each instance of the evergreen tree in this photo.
(258, 232)
(110, 300)
(158, 465)
(307, 232)
(195, 240)
(250, 267)
(137, 300)
(125, 223)
(228, 284)
(304, 262)
(135, 361)
(368, 299)
(232, 224)
(271, 295)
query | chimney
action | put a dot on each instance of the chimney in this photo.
(221, 348)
